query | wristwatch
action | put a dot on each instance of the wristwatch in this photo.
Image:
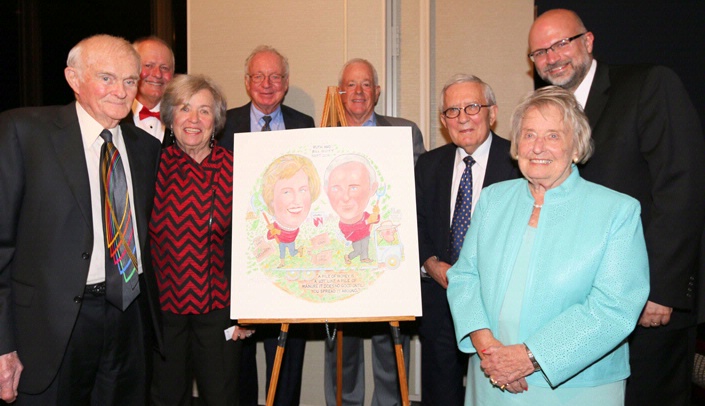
(536, 365)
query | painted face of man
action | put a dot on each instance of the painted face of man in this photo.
(349, 191)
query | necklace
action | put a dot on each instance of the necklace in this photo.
(537, 206)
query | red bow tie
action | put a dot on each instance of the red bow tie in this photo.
(144, 113)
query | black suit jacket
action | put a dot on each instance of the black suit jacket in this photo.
(649, 145)
(46, 232)
(434, 178)
(238, 121)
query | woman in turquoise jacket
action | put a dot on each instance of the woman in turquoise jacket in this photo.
(553, 274)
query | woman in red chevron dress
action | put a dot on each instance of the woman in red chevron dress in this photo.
(190, 244)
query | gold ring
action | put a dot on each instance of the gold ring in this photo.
(502, 387)
(493, 382)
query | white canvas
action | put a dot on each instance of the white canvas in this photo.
(325, 278)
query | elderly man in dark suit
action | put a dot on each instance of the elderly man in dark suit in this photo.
(649, 145)
(358, 84)
(468, 112)
(73, 327)
(266, 82)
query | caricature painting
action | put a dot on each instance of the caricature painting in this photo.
(324, 224)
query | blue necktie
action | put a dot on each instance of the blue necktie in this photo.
(463, 209)
(121, 278)
(266, 126)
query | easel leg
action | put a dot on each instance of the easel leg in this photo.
(403, 385)
(339, 368)
(281, 344)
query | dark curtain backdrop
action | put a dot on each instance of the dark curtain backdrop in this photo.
(663, 32)
(37, 36)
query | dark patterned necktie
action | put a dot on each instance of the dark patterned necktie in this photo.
(121, 278)
(463, 209)
(267, 120)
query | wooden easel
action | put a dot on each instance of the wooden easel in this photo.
(398, 350)
(281, 345)
(334, 116)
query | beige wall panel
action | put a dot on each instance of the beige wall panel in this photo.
(409, 102)
(486, 38)
(316, 36)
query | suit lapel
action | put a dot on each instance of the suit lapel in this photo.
(68, 145)
(382, 121)
(599, 94)
(243, 119)
(499, 164)
(445, 185)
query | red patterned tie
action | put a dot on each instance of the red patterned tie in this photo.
(144, 113)
(121, 278)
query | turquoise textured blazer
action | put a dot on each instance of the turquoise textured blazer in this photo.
(588, 277)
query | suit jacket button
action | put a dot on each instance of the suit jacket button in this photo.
(77, 299)
(85, 255)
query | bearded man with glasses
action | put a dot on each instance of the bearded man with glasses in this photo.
(649, 145)
(468, 112)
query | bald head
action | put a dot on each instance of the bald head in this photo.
(563, 64)
(103, 72)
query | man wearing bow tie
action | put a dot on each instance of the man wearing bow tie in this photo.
(157, 61)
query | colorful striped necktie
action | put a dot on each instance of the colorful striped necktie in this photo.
(463, 209)
(121, 278)
(267, 120)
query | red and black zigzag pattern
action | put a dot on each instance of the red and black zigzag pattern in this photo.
(192, 214)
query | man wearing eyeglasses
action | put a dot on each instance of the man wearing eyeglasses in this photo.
(266, 82)
(649, 145)
(468, 112)
(358, 84)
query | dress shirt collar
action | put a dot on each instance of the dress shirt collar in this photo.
(583, 91)
(91, 129)
(256, 121)
(481, 154)
(371, 122)
(137, 107)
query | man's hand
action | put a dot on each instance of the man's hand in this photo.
(437, 270)
(655, 315)
(241, 333)
(10, 370)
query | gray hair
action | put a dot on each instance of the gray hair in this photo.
(347, 158)
(358, 60)
(261, 49)
(466, 78)
(574, 119)
(182, 87)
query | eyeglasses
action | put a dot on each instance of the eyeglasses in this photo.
(258, 78)
(557, 46)
(470, 110)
